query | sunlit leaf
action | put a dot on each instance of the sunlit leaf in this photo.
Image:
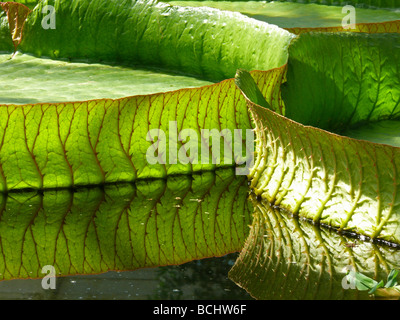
(349, 184)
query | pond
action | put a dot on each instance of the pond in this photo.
(90, 208)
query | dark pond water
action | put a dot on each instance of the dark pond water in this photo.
(196, 280)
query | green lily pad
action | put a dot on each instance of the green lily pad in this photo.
(296, 15)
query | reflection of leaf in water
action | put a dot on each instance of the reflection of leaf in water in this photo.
(288, 258)
(123, 227)
(297, 168)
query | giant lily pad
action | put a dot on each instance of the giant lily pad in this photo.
(345, 183)
(87, 132)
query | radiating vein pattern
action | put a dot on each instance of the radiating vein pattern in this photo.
(95, 142)
(345, 183)
(288, 258)
(124, 227)
(338, 181)
(337, 81)
(106, 141)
